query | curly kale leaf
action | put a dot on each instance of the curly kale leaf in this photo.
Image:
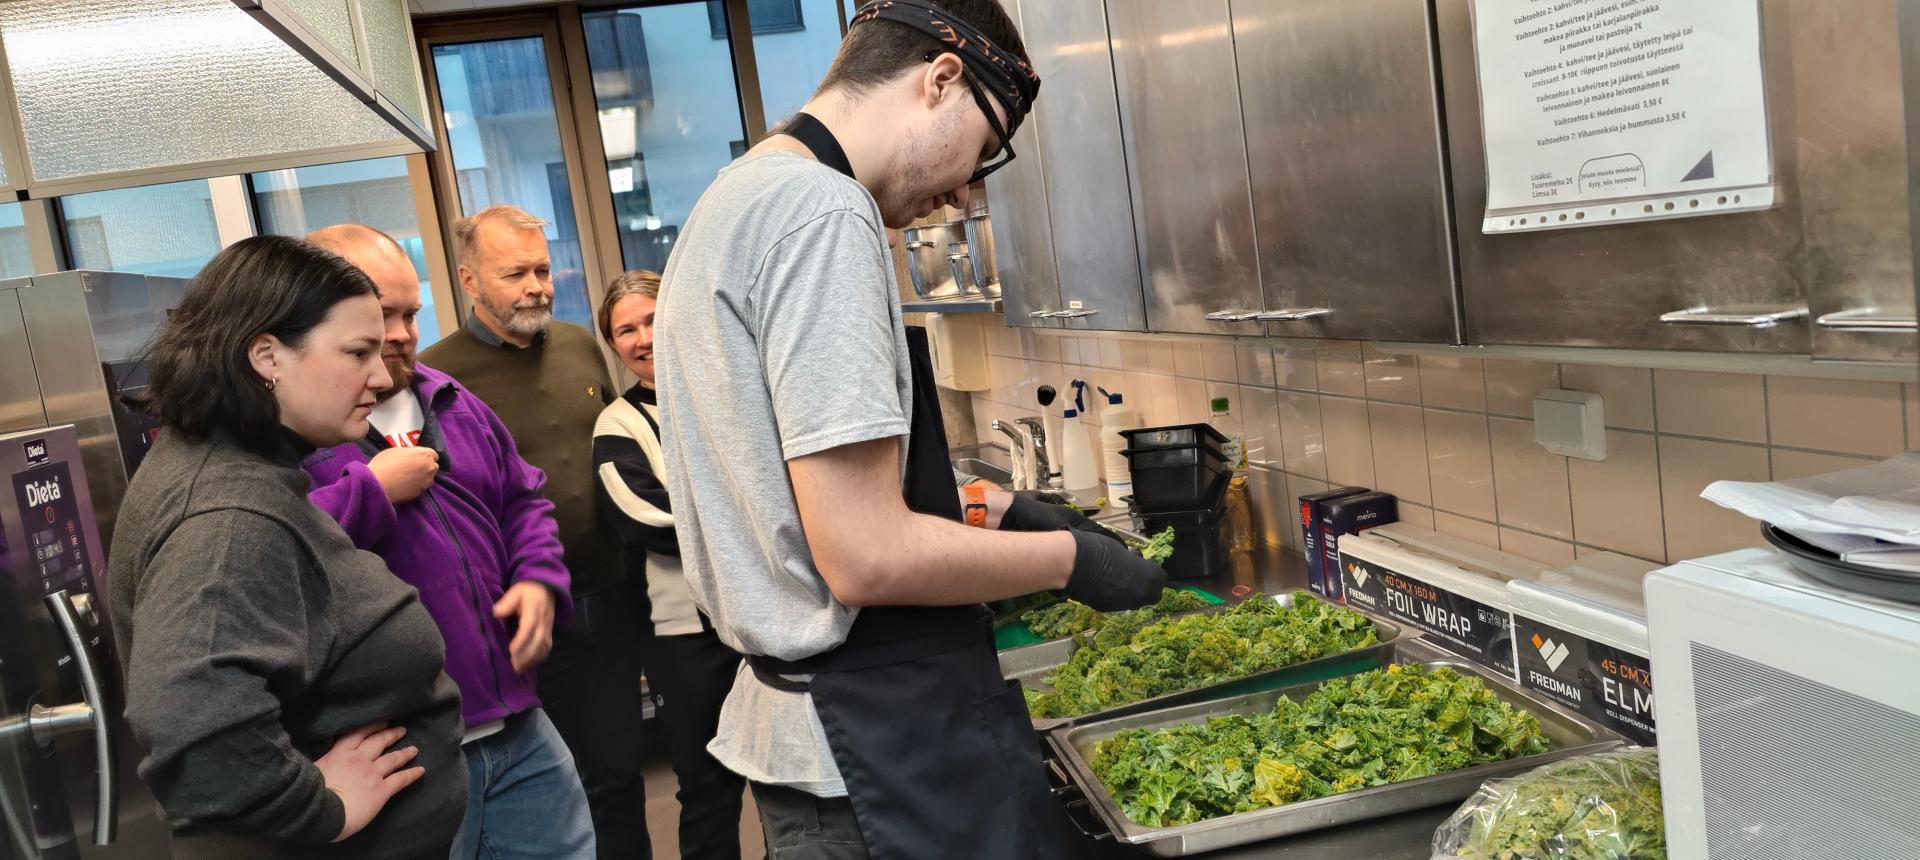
(1071, 617)
(1129, 661)
(1365, 730)
(1016, 608)
(1062, 619)
(1160, 547)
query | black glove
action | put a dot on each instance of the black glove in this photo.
(1026, 514)
(1109, 576)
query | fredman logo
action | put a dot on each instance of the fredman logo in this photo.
(36, 451)
(1555, 652)
(1359, 574)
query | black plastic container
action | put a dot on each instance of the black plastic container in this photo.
(1176, 479)
(1199, 539)
(1173, 436)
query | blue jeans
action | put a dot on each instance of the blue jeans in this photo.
(524, 798)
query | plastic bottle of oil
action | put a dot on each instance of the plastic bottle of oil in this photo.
(1238, 523)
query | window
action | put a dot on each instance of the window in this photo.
(374, 192)
(766, 16)
(664, 148)
(152, 230)
(15, 261)
(792, 61)
(504, 135)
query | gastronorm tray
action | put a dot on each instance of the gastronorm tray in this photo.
(1031, 664)
(1570, 733)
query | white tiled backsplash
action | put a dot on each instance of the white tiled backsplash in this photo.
(1453, 437)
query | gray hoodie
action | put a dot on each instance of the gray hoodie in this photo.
(251, 635)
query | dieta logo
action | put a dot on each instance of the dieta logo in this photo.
(1555, 652)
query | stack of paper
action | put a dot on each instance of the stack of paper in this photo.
(1869, 515)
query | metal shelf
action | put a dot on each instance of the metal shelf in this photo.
(957, 305)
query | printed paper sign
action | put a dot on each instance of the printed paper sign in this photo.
(1598, 111)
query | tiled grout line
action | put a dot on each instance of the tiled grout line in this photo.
(1906, 417)
(1493, 468)
(1766, 419)
(1660, 470)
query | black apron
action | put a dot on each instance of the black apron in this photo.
(936, 749)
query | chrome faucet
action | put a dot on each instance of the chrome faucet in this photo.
(1042, 469)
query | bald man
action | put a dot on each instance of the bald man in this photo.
(438, 490)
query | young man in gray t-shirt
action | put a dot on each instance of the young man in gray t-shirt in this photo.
(788, 394)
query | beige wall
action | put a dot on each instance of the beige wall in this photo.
(1453, 438)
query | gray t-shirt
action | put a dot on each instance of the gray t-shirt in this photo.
(779, 335)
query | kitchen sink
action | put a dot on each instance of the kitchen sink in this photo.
(982, 469)
(983, 461)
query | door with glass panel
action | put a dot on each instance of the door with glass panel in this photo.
(668, 114)
(507, 136)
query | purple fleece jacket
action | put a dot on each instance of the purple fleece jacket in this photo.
(480, 528)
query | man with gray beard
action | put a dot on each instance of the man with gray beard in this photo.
(548, 383)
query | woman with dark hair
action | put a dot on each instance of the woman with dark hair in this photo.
(286, 689)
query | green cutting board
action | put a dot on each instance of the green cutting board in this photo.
(1018, 633)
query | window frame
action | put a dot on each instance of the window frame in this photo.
(717, 19)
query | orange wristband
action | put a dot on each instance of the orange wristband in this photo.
(976, 505)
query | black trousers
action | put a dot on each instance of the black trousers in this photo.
(692, 674)
(590, 686)
(800, 826)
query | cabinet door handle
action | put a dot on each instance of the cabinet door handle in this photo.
(1232, 316)
(1041, 315)
(1075, 314)
(1744, 318)
(1867, 320)
(1293, 314)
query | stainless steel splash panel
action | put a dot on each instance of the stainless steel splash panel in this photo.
(1023, 234)
(1186, 157)
(1853, 173)
(1839, 231)
(1348, 168)
(1086, 167)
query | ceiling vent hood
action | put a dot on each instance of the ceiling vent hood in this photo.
(98, 94)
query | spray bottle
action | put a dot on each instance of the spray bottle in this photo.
(1117, 416)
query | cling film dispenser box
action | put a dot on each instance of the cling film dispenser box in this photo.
(1346, 516)
(1581, 638)
(1310, 536)
(1461, 606)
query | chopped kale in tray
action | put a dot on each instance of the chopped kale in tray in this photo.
(1130, 659)
(1375, 728)
(1070, 617)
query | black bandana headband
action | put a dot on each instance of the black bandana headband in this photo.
(1009, 78)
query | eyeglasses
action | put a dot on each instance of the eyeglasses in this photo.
(999, 131)
(993, 121)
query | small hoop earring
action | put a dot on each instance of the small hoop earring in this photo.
(273, 382)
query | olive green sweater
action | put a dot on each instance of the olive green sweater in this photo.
(549, 395)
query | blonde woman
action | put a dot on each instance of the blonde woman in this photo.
(687, 665)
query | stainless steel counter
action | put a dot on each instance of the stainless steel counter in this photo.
(1406, 836)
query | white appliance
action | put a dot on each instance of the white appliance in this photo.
(1789, 714)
